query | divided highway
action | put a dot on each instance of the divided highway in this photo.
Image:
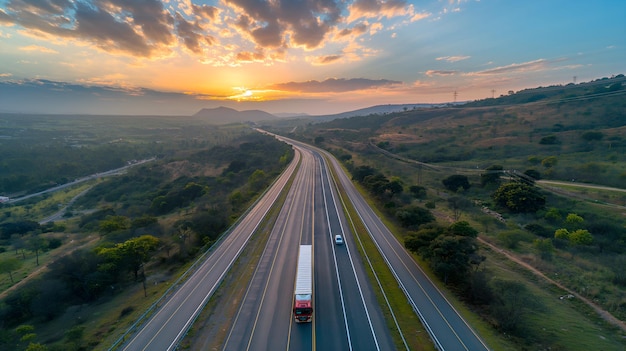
(346, 313)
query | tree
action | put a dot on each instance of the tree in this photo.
(549, 162)
(511, 302)
(36, 347)
(462, 228)
(549, 140)
(553, 215)
(131, 254)
(419, 192)
(458, 203)
(581, 237)
(511, 238)
(35, 244)
(419, 241)
(519, 197)
(114, 223)
(414, 216)
(492, 175)
(592, 136)
(544, 247)
(456, 182)
(84, 273)
(395, 186)
(573, 221)
(449, 256)
(257, 180)
(10, 265)
(359, 173)
(562, 234)
(377, 184)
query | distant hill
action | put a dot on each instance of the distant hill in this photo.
(225, 115)
(376, 110)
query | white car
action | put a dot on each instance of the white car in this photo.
(338, 240)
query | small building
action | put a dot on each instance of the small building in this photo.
(4, 199)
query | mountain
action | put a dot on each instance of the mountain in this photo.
(225, 115)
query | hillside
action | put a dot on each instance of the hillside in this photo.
(583, 126)
(538, 174)
(225, 115)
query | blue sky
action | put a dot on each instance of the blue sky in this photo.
(315, 56)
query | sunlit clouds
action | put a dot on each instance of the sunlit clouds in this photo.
(346, 53)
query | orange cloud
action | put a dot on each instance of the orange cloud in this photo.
(39, 49)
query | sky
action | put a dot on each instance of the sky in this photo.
(295, 56)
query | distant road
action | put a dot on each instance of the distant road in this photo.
(581, 185)
(81, 180)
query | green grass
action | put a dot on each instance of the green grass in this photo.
(555, 326)
(566, 324)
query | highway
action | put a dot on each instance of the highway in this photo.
(447, 328)
(346, 313)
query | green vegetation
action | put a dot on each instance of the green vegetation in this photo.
(119, 232)
(481, 193)
(505, 169)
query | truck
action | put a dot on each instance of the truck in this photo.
(303, 292)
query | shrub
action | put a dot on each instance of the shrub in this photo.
(456, 182)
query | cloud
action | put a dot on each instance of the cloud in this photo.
(379, 9)
(4, 18)
(191, 34)
(530, 66)
(4, 75)
(153, 28)
(205, 11)
(246, 56)
(334, 85)
(327, 59)
(452, 58)
(353, 32)
(39, 49)
(138, 28)
(287, 23)
(420, 16)
(431, 73)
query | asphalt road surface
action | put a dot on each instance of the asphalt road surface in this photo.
(346, 314)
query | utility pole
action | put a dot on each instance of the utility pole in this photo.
(575, 79)
(493, 93)
(455, 95)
